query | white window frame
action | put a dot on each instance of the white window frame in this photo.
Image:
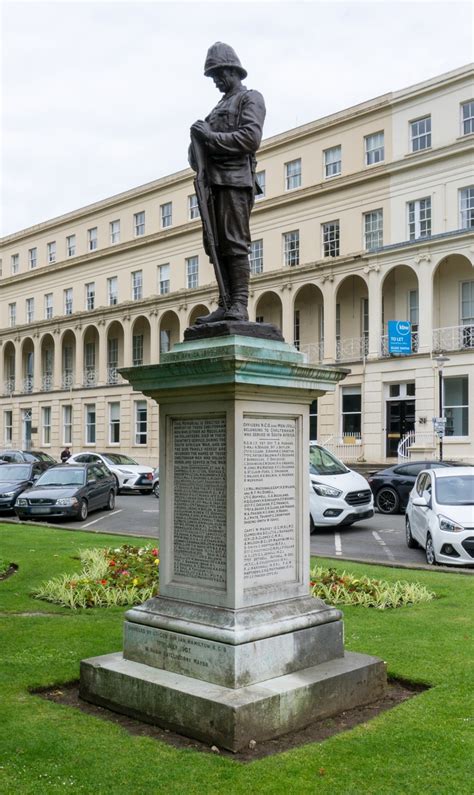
(373, 229)
(293, 174)
(193, 207)
(164, 283)
(32, 257)
(291, 248)
(165, 340)
(46, 426)
(139, 223)
(67, 424)
(51, 251)
(140, 423)
(192, 272)
(137, 285)
(48, 306)
(7, 426)
(90, 296)
(92, 238)
(453, 406)
(467, 119)
(68, 300)
(374, 148)
(332, 161)
(166, 215)
(466, 318)
(349, 391)
(331, 238)
(114, 422)
(138, 347)
(71, 245)
(466, 207)
(114, 228)
(12, 314)
(112, 290)
(260, 179)
(30, 310)
(256, 256)
(90, 425)
(419, 218)
(420, 134)
(15, 264)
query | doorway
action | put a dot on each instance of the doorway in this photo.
(400, 420)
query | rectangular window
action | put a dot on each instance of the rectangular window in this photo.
(139, 224)
(32, 258)
(112, 352)
(92, 239)
(140, 422)
(373, 229)
(12, 315)
(192, 272)
(193, 208)
(68, 301)
(467, 117)
(456, 405)
(291, 248)
(466, 200)
(331, 239)
(67, 425)
(46, 424)
(137, 349)
(293, 174)
(15, 263)
(137, 285)
(260, 180)
(420, 134)
(51, 252)
(114, 232)
(296, 329)
(114, 423)
(313, 421)
(30, 310)
(68, 364)
(364, 313)
(166, 214)
(7, 427)
(48, 306)
(256, 256)
(90, 296)
(351, 410)
(419, 218)
(90, 423)
(112, 290)
(71, 246)
(374, 148)
(413, 309)
(467, 314)
(164, 279)
(165, 340)
(332, 161)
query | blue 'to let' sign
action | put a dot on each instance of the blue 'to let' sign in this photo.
(399, 336)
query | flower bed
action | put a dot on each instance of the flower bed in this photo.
(335, 588)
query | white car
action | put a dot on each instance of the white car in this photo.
(440, 515)
(129, 475)
(338, 495)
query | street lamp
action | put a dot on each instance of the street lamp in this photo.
(440, 360)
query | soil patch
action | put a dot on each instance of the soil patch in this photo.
(398, 691)
(8, 573)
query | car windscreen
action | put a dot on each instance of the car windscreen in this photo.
(116, 458)
(38, 455)
(321, 462)
(456, 490)
(62, 477)
(16, 472)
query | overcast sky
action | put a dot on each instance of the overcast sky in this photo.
(98, 97)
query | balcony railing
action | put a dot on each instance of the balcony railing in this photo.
(28, 384)
(91, 377)
(384, 345)
(423, 439)
(347, 446)
(453, 338)
(47, 382)
(67, 380)
(113, 376)
(314, 351)
(9, 385)
(352, 349)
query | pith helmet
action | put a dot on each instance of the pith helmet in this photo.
(221, 54)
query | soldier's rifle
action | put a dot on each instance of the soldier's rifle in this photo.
(206, 208)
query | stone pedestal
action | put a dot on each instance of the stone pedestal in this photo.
(234, 648)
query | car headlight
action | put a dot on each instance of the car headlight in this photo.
(8, 493)
(22, 501)
(326, 491)
(449, 525)
(126, 472)
(67, 501)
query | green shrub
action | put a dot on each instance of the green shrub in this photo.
(4, 566)
(124, 576)
(346, 589)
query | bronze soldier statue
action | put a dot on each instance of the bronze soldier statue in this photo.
(222, 152)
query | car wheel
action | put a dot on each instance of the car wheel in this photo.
(411, 543)
(145, 491)
(429, 551)
(156, 490)
(117, 485)
(387, 500)
(111, 501)
(83, 511)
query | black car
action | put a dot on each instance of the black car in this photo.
(391, 487)
(15, 478)
(68, 490)
(28, 457)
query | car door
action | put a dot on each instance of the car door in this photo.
(93, 487)
(406, 476)
(416, 516)
(104, 484)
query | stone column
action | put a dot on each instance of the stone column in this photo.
(154, 336)
(329, 296)
(37, 364)
(18, 365)
(375, 311)
(57, 366)
(79, 357)
(425, 306)
(101, 365)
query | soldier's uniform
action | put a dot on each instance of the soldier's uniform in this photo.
(235, 133)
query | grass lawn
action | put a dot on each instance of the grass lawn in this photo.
(421, 746)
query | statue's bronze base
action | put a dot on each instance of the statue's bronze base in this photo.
(226, 328)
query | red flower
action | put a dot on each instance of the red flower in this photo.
(103, 582)
(155, 552)
(112, 563)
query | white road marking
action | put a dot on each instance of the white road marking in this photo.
(94, 522)
(114, 512)
(337, 543)
(150, 511)
(382, 543)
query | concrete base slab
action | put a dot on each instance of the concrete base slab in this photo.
(224, 716)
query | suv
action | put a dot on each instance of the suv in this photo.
(338, 496)
(27, 457)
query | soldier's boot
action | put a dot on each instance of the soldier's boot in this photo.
(239, 275)
(220, 312)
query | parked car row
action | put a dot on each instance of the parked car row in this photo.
(391, 487)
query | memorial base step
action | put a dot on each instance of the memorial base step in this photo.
(226, 717)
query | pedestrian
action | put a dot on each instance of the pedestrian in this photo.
(230, 136)
(66, 453)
